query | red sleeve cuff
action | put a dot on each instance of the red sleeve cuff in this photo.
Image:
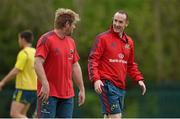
(138, 78)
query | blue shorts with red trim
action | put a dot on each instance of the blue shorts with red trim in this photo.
(111, 98)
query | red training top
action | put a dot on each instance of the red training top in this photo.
(111, 58)
(59, 55)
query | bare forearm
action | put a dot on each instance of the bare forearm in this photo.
(10, 75)
(77, 76)
(40, 71)
(44, 92)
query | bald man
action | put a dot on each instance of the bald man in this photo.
(110, 60)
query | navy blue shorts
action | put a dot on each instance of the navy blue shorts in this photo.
(111, 98)
(24, 96)
(56, 108)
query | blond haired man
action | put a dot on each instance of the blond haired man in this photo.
(56, 64)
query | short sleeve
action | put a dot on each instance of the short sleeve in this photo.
(76, 55)
(42, 48)
(21, 60)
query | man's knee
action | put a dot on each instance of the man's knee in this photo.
(17, 115)
(116, 116)
(14, 114)
(16, 111)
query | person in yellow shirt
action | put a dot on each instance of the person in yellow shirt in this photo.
(26, 78)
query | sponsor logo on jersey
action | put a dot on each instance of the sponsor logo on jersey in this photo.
(119, 59)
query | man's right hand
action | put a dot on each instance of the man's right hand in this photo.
(44, 93)
(97, 86)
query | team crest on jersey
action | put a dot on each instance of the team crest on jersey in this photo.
(70, 56)
(71, 51)
(127, 46)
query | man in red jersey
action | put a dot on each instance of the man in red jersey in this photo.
(111, 58)
(56, 64)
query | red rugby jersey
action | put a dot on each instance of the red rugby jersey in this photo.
(111, 58)
(59, 55)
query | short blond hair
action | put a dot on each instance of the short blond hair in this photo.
(62, 16)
